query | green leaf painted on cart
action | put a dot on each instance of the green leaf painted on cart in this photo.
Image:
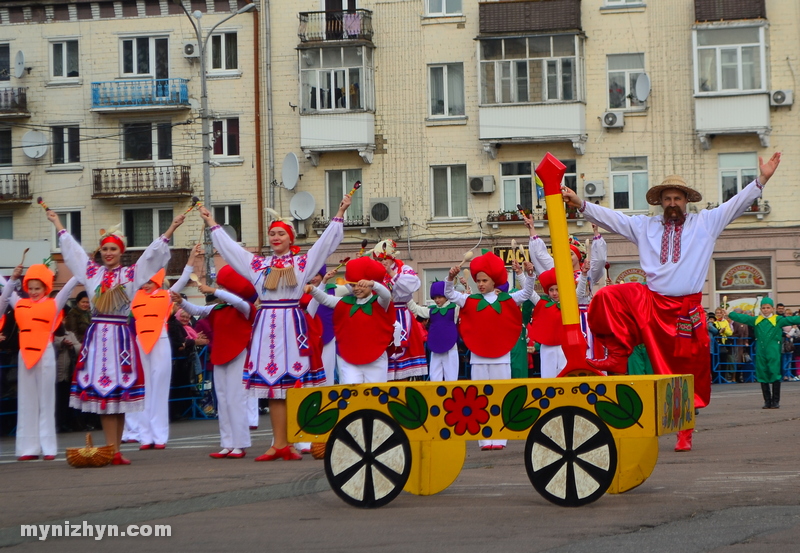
(309, 408)
(414, 413)
(515, 416)
(322, 423)
(624, 414)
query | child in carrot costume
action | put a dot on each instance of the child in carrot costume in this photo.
(490, 322)
(38, 315)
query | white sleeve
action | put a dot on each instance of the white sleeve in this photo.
(180, 284)
(526, 293)
(323, 298)
(64, 293)
(628, 226)
(7, 297)
(384, 295)
(235, 255)
(323, 248)
(522, 278)
(232, 299)
(417, 310)
(454, 296)
(196, 310)
(719, 218)
(74, 256)
(581, 289)
(597, 263)
(542, 261)
(154, 258)
(405, 284)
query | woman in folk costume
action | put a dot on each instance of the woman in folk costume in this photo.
(408, 359)
(490, 322)
(108, 379)
(232, 325)
(584, 280)
(279, 349)
(151, 307)
(442, 333)
(364, 322)
(38, 315)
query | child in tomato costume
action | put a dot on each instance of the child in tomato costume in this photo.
(363, 321)
(38, 315)
(490, 322)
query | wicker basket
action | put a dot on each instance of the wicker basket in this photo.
(318, 450)
(90, 456)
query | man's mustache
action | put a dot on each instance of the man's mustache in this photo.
(673, 212)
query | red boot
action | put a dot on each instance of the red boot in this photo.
(616, 361)
(684, 440)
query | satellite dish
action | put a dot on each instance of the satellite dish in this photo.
(302, 206)
(290, 171)
(230, 231)
(34, 144)
(19, 64)
(642, 87)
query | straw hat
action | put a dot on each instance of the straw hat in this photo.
(672, 181)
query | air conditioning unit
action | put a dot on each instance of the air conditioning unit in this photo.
(594, 189)
(384, 212)
(481, 185)
(781, 98)
(613, 120)
(191, 49)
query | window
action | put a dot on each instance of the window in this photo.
(729, 59)
(570, 175)
(449, 191)
(230, 215)
(5, 62)
(6, 225)
(339, 184)
(146, 56)
(5, 146)
(66, 145)
(517, 185)
(142, 226)
(447, 90)
(146, 141)
(533, 69)
(65, 59)
(735, 172)
(623, 71)
(72, 223)
(336, 78)
(224, 53)
(630, 183)
(443, 7)
(226, 137)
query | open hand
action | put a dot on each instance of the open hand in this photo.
(768, 169)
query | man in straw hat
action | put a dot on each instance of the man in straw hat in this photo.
(674, 251)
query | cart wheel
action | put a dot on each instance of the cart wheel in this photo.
(570, 457)
(368, 459)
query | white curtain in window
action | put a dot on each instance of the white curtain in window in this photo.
(458, 192)
(455, 89)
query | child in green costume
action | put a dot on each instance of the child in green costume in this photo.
(769, 335)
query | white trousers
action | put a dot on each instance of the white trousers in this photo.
(329, 361)
(154, 420)
(552, 360)
(252, 409)
(499, 371)
(36, 406)
(234, 430)
(133, 425)
(377, 371)
(444, 366)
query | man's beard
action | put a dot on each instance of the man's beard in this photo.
(674, 214)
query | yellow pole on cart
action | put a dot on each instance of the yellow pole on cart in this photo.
(551, 173)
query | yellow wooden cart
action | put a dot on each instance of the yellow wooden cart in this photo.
(585, 436)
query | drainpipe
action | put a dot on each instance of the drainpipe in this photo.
(258, 149)
(270, 123)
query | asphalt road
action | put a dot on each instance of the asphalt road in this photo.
(737, 491)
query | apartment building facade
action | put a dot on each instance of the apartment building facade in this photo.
(442, 108)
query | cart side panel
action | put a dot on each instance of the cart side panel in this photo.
(675, 404)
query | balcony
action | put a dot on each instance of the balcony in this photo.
(738, 114)
(14, 189)
(338, 132)
(335, 25)
(140, 95)
(14, 102)
(727, 10)
(142, 182)
(529, 16)
(532, 123)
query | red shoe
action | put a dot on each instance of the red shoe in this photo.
(145, 446)
(285, 453)
(130, 441)
(220, 454)
(487, 447)
(160, 446)
(498, 447)
(49, 457)
(119, 459)
(28, 458)
(684, 440)
(233, 455)
(253, 428)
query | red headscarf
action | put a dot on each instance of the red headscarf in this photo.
(116, 240)
(289, 230)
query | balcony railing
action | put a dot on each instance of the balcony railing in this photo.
(141, 93)
(142, 182)
(527, 16)
(335, 25)
(14, 188)
(14, 101)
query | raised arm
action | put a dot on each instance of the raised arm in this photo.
(417, 310)
(323, 298)
(384, 295)
(449, 288)
(189, 307)
(64, 294)
(597, 263)
(541, 259)
(527, 292)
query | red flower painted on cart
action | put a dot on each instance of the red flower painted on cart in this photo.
(466, 410)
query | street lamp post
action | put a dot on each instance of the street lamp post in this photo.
(202, 44)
